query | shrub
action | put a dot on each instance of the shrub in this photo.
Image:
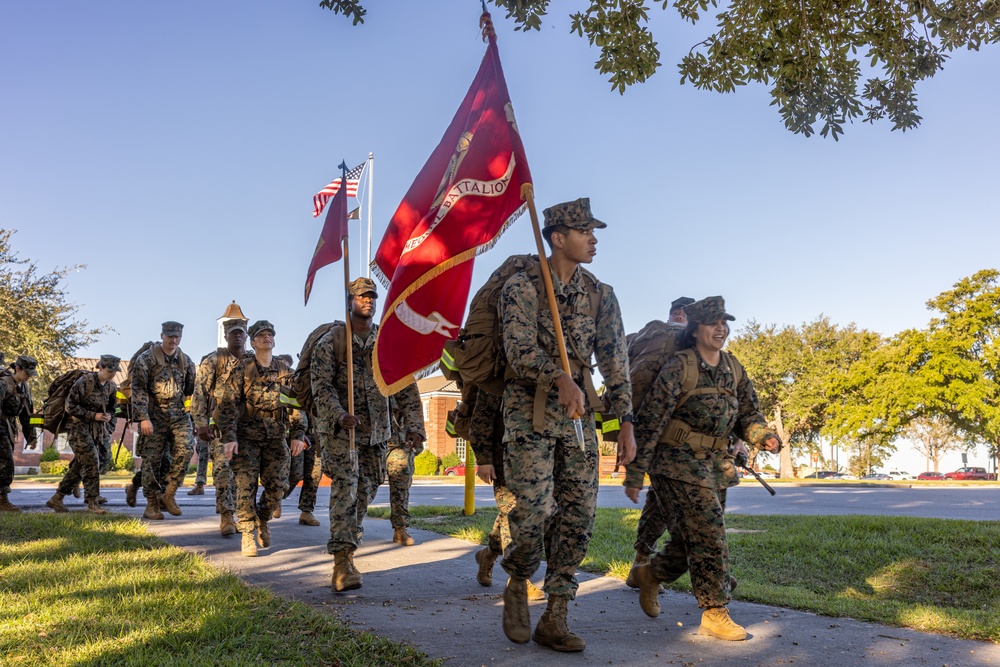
(425, 463)
(54, 467)
(50, 454)
(450, 460)
(123, 457)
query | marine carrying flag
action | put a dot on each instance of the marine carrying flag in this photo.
(329, 248)
(465, 196)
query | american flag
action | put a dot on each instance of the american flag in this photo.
(324, 195)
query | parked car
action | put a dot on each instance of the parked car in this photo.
(821, 474)
(969, 472)
(877, 476)
(458, 470)
(767, 474)
(932, 476)
(900, 475)
(844, 475)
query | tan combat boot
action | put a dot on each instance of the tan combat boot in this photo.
(715, 622)
(344, 577)
(640, 559)
(263, 533)
(276, 514)
(168, 502)
(94, 506)
(153, 512)
(130, 493)
(486, 557)
(248, 546)
(552, 629)
(307, 519)
(649, 591)
(534, 592)
(516, 621)
(56, 503)
(400, 536)
(197, 490)
(76, 491)
(227, 524)
(6, 505)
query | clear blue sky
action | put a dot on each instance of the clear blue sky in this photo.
(174, 149)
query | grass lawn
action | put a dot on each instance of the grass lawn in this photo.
(933, 575)
(102, 591)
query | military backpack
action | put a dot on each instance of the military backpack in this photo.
(300, 386)
(54, 407)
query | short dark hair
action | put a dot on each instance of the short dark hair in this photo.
(549, 231)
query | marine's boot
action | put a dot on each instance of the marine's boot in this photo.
(516, 621)
(552, 629)
(197, 490)
(307, 519)
(227, 524)
(263, 533)
(6, 505)
(344, 578)
(649, 590)
(130, 493)
(168, 502)
(102, 500)
(56, 503)
(715, 622)
(640, 559)
(276, 514)
(400, 536)
(534, 592)
(153, 512)
(248, 545)
(94, 506)
(350, 562)
(76, 491)
(486, 557)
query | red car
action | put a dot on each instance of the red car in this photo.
(931, 476)
(969, 472)
(458, 470)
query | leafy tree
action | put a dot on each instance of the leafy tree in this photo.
(826, 63)
(35, 316)
(933, 437)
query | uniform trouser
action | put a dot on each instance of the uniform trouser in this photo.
(652, 525)
(266, 460)
(6, 460)
(352, 488)
(85, 465)
(695, 519)
(399, 466)
(201, 448)
(308, 469)
(222, 478)
(104, 452)
(554, 484)
(161, 474)
(500, 535)
(174, 437)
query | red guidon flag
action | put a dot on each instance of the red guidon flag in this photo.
(465, 196)
(329, 248)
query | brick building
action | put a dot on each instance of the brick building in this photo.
(439, 395)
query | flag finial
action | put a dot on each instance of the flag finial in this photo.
(343, 168)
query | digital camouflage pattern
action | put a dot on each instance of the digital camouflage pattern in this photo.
(202, 451)
(159, 390)
(399, 468)
(573, 214)
(353, 484)
(708, 310)
(213, 371)
(86, 398)
(306, 468)
(554, 482)
(652, 524)
(692, 491)
(251, 413)
(15, 405)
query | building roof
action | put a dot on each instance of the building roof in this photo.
(90, 364)
(233, 312)
(437, 384)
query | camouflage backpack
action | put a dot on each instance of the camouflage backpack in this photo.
(300, 386)
(54, 407)
(124, 394)
(648, 350)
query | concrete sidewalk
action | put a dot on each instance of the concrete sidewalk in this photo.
(427, 596)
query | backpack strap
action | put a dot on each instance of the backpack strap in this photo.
(689, 378)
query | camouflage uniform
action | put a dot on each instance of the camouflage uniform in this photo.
(553, 481)
(86, 398)
(691, 482)
(251, 414)
(486, 440)
(399, 468)
(15, 405)
(353, 484)
(213, 371)
(308, 469)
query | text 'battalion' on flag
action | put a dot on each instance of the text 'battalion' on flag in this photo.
(466, 195)
(323, 196)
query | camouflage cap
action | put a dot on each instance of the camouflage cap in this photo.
(110, 362)
(229, 325)
(708, 310)
(259, 326)
(362, 286)
(572, 214)
(27, 364)
(680, 302)
(172, 328)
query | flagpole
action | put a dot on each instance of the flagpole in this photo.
(371, 195)
(349, 333)
(528, 195)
